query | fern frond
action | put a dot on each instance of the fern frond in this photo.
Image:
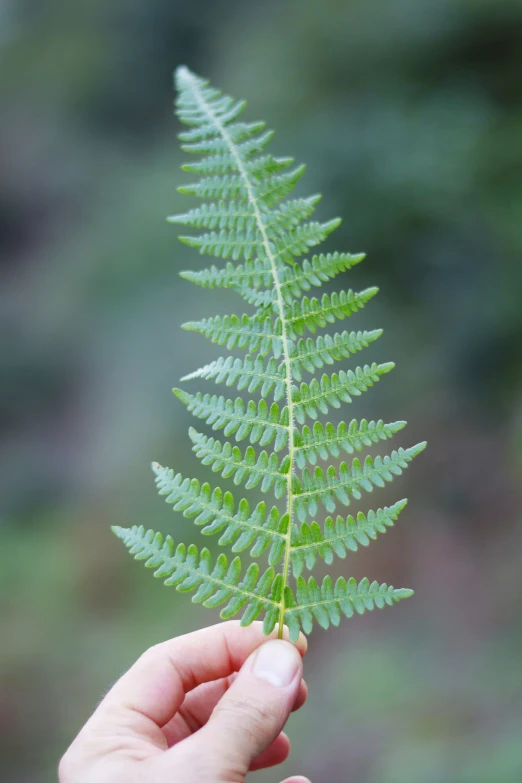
(215, 509)
(313, 314)
(291, 212)
(254, 274)
(337, 486)
(225, 214)
(229, 243)
(248, 373)
(312, 354)
(240, 241)
(260, 299)
(248, 467)
(257, 421)
(327, 602)
(298, 240)
(272, 190)
(241, 215)
(222, 164)
(255, 333)
(317, 443)
(239, 132)
(250, 219)
(230, 187)
(318, 396)
(314, 272)
(223, 108)
(339, 535)
(188, 569)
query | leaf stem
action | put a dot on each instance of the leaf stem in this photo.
(284, 335)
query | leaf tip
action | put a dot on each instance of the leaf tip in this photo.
(386, 367)
(420, 447)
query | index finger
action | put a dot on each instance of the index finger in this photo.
(157, 683)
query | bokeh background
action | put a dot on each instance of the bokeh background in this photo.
(409, 116)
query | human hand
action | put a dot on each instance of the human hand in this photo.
(181, 714)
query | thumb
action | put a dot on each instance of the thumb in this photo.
(254, 710)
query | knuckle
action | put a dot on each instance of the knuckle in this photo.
(152, 654)
(255, 715)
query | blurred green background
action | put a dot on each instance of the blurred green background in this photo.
(409, 116)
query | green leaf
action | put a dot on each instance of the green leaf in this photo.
(291, 213)
(326, 603)
(298, 240)
(313, 314)
(248, 467)
(339, 536)
(215, 511)
(272, 189)
(249, 373)
(255, 333)
(228, 243)
(256, 421)
(250, 218)
(309, 355)
(312, 445)
(187, 570)
(319, 396)
(315, 272)
(339, 486)
(255, 140)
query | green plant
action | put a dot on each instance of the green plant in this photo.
(249, 219)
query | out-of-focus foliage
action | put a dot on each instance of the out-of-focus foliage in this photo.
(409, 116)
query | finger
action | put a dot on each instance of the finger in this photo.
(302, 696)
(199, 705)
(252, 712)
(278, 752)
(296, 779)
(155, 687)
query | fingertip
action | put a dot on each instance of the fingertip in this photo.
(235, 631)
(301, 644)
(278, 662)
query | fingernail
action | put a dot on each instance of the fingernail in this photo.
(276, 662)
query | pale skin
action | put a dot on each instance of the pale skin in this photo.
(208, 707)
